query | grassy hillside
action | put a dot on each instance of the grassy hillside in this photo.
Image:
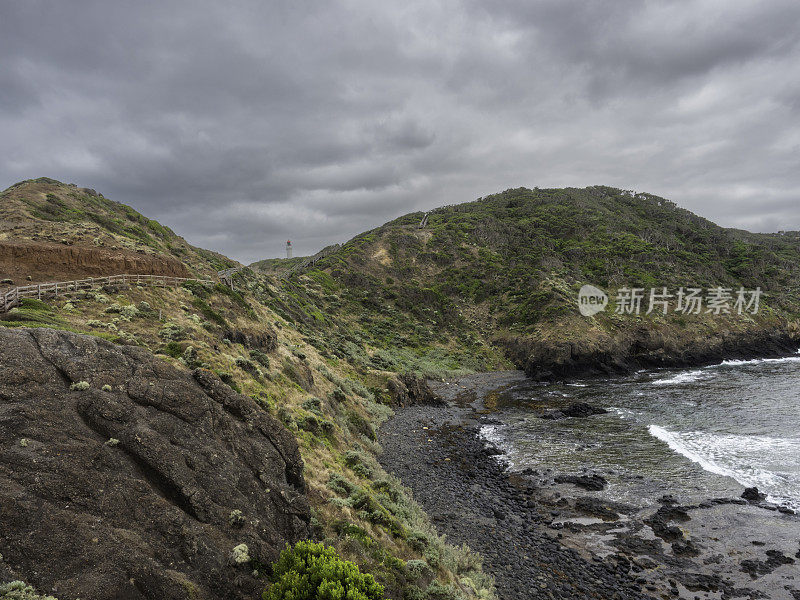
(256, 340)
(277, 266)
(486, 284)
(508, 267)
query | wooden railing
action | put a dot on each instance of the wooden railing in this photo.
(12, 297)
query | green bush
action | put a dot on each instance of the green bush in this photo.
(357, 462)
(245, 364)
(172, 331)
(311, 571)
(17, 590)
(260, 358)
(209, 313)
(313, 405)
(34, 304)
(198, 289)
(173, 349)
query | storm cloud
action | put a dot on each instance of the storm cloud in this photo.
(241, 124)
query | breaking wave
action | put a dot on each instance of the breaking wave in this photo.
(685, 377)
(741, 457)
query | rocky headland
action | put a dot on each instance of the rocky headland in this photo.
(123, 477)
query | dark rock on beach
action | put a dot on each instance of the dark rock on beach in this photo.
(478, 504)
(132, 479)
(752, 494)
(541, 540)
(592, 482)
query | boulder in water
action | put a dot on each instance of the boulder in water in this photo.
(752, 495)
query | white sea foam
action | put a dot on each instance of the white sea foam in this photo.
(741, 457)
(684, 377)
(706, 372)
(758, 361)
(622, 413)
(491, 435)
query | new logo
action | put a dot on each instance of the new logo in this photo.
(591, 300)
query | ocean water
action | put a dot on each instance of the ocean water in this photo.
(697, 433)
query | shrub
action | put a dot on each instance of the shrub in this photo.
(172, 331)
(106, 388)
(209, 313)
(418, 540)
(79, 386)
(189, 357)
(260, 358)
(129, 311)
(35, 304)
(311, 571)
(359, 425)
(439, 591)
(357, 462)
(313, 405)
(309, 423)
(241, 554)
(245, 364)
(236, 518)
(198, 289)
(172, 349)
(144, 308)
(17, 590)
(417, 569)
(340, 485)
(285, 416)
(228, 380)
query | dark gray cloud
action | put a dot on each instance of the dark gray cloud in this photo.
(243, 123)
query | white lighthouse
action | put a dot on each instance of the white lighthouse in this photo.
(288, 248)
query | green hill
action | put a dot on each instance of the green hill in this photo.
(504, 272)
(44, 211)
(256, 340)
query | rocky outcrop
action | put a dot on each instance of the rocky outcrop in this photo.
(644, 348)
(266, 339)
(56, 262)
(408, 390)
(132, 479)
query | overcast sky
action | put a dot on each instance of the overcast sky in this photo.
(240, 124)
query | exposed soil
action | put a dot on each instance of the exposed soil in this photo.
(35, 262)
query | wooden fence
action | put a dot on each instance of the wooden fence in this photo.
(12, 297)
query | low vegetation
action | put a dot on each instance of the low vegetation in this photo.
(311, 571)
(319, 348)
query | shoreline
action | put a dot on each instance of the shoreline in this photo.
(542, 539)
(550, 362)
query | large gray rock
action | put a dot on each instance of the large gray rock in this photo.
(128, 493)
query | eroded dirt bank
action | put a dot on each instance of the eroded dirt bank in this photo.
(56, 262)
